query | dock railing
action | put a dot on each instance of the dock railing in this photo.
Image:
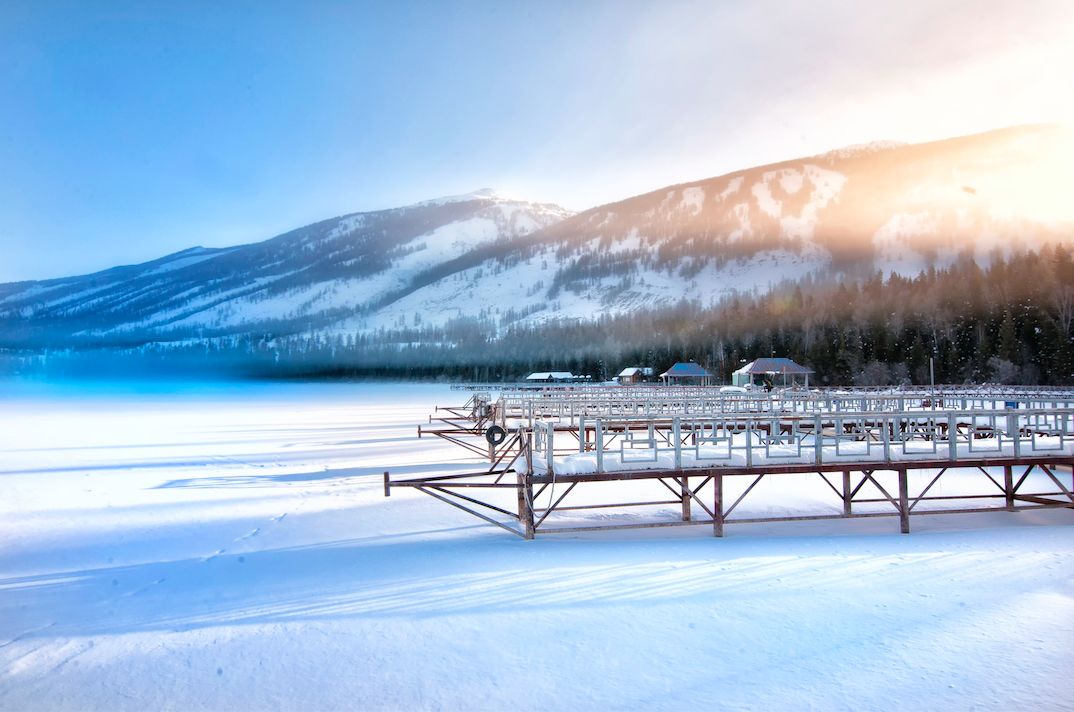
(869, 449)
(747, 440)
(570, 409)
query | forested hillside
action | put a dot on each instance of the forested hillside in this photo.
(1010, 322)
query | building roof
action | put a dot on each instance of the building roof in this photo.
(775, 365)
(550, 376)
(685, 369)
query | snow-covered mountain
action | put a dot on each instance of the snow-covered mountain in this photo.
(850, 212)
(883, 206)
(306, 279)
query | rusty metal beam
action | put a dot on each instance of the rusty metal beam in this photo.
(479, 515)
(552, 507)
(927, 488)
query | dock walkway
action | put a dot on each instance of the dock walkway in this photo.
(705, 452)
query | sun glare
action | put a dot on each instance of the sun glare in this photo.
(1039, 181)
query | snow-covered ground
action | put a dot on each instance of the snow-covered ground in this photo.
(229, 547)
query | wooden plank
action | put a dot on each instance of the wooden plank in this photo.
(685, 483)
(832, 487)
(460, 443)
(743, 496)
(864, 479)
(478, 485)
(577, 507)
(1059, 484)
(1022, 479)
(440, 479)
(848, 497)
(472, 500)
(925, 491)
(807, 518)
(892, 500)
(904, 507)
(610, 527)
(525, 506)
(991, 479)
(504, 450)
(793, 468)
(938, 498)
(1043, 501)
(668, 487)
(694, 496)
(552, 507)
(766, 520)
(717, 519)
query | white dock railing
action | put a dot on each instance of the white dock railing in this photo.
(747, 440)
(570, 408)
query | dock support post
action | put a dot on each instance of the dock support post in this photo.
(387, 485)
(717, 519)
(847, 493)
(904, 502)
(685, 498)
(1008, 486)
(525, 505)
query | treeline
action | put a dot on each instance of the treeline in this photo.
(1010, 322)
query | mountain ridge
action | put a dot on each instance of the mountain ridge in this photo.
(896, 208)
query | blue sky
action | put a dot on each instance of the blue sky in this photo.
(131, 130)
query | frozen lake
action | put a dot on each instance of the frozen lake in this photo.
(228, 546)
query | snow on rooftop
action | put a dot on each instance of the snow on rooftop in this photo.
(686, 370)
(551, 376)
(774, 365)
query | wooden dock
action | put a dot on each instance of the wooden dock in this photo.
(883, 462)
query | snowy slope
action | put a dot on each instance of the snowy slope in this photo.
(866, 206)
(882, 206)
(296, 281)
(519, 293)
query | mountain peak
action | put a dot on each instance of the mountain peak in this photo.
(481, 194)
(861, 149)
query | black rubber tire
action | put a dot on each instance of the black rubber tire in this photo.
(495, 435)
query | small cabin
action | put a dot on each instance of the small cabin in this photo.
(776, 371)
(634, 374)
(686, 373)
(554, 377)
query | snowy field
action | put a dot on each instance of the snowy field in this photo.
(229, 547)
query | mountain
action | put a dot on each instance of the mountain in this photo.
(302, 280)
(886, 207)
(494, 262)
